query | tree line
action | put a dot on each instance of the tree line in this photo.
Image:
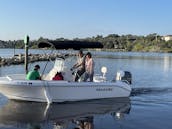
(150, 43)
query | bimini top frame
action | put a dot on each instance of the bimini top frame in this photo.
(69, 44)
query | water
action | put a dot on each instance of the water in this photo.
(149, 106)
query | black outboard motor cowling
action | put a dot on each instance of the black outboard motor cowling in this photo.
(124, 76)
(127, 76)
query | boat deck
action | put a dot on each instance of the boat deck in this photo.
(23, 77)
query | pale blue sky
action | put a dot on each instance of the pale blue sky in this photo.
(83, 18)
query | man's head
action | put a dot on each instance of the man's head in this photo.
(37, 67)
(88, 55)
(80, 53)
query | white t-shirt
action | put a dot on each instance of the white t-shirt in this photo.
(89, 66)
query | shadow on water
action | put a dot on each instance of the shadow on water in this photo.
(61, 115)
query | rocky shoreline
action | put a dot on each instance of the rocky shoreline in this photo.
(20, 58)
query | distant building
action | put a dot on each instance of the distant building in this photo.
(167, 37)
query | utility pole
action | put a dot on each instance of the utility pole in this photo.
(26, 42)
(14, 45)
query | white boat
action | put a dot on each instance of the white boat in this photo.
(47, 90)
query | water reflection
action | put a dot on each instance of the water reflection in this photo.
(167, 63)
(77, 115)
(85, 123)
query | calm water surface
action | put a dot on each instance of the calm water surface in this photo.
(149, 106)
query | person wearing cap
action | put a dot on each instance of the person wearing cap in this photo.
(34, 74)
(80, 65)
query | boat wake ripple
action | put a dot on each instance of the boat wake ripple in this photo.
(150, 90)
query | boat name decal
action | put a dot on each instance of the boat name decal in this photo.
(25, 83)
(104, 89)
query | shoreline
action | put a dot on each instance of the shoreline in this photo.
(20, 58)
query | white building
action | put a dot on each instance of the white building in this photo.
(167, 37)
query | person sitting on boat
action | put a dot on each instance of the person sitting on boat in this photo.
(80, 65)
(58, 76)
(89, 67)
(34, 74)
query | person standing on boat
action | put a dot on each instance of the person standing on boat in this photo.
(34, 74)
(89, 67)
(80, 65)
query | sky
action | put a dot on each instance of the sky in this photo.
(83, 18)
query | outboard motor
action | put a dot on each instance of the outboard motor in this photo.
(124, 76)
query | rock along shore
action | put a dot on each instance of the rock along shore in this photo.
(20, 58)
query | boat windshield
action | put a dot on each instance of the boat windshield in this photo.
(59, 64)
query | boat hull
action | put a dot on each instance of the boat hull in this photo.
(60, 91)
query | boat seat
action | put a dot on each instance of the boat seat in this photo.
(99, 78)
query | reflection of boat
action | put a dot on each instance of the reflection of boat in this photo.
(46, 90)
(22, 113)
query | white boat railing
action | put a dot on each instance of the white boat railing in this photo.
(16, 77)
